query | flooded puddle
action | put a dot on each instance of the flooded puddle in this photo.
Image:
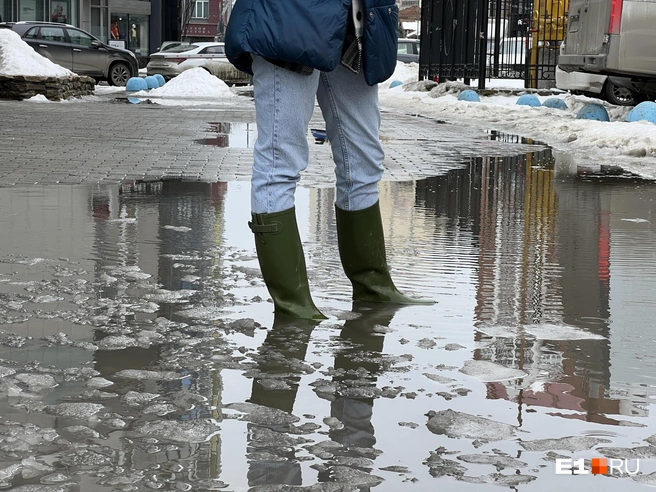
(231, 134)
(138, 349)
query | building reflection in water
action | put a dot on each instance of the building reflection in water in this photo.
(172, 232)
(543, 259)
(231, 134)
(543, 254)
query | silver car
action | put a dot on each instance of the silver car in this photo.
(615, 38)
(209, 56)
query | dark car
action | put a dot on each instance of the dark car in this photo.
(408, 51)
(77, 50)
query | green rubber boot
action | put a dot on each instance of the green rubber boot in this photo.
(362, 251)
(282, 262)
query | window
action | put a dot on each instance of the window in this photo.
(32, 10)
(7, 10)
(408, 49)
(99, 20)
(32, 33)
(202, 9)
(79, 37)
(138, 34)
(53, 34)
(182, 48)
(59, 12)
(214, 49)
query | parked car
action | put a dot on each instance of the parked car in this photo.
(512, 58)
(207, 55)
(77, 50)
(614, 38)
(408, 50)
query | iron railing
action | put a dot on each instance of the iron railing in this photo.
(492, 39)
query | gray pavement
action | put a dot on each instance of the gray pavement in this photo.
(108, 140)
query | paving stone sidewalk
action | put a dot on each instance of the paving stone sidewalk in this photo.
(108, 140)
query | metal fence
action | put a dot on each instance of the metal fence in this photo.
(486, 39)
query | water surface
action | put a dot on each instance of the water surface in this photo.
(138, 349)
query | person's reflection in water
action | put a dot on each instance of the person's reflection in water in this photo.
(280, 367)
(358, 366)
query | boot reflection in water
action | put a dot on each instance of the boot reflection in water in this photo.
(282, 352)
(364, 348)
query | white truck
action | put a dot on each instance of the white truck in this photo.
(616, 38)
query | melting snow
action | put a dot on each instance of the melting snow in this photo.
(192, 83)
(19, 58)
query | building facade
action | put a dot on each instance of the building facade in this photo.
(122, 23)
(137, 25)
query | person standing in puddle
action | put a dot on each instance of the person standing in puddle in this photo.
(337, 51)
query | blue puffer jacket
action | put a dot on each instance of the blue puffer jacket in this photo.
(311, 33)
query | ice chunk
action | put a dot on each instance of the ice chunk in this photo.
(492, 459)
(199, 430)
(571, 443)
(79, 410)
(490, 371)
(37, 382)
(9, 472)
(459, 424)
(6, 371)
(546, 331)
(259, 414)
(646, 479)
(98, 382)
(142, 374)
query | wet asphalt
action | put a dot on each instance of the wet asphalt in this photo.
(138, 349)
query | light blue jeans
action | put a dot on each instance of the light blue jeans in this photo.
(284, 103)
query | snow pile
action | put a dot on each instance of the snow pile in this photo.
(39, 98)
(405, 72)
(631, 145)
(193, 83)
(19, 58)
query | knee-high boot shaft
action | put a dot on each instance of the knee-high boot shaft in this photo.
(282, 262)
(362, 250)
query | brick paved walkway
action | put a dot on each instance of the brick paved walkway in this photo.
(110, 140)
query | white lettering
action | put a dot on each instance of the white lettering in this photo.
(564, 466)
(614, 464)
(580, 467)
(626, 467)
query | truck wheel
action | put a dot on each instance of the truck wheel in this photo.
(620, 96)
(119, 73)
